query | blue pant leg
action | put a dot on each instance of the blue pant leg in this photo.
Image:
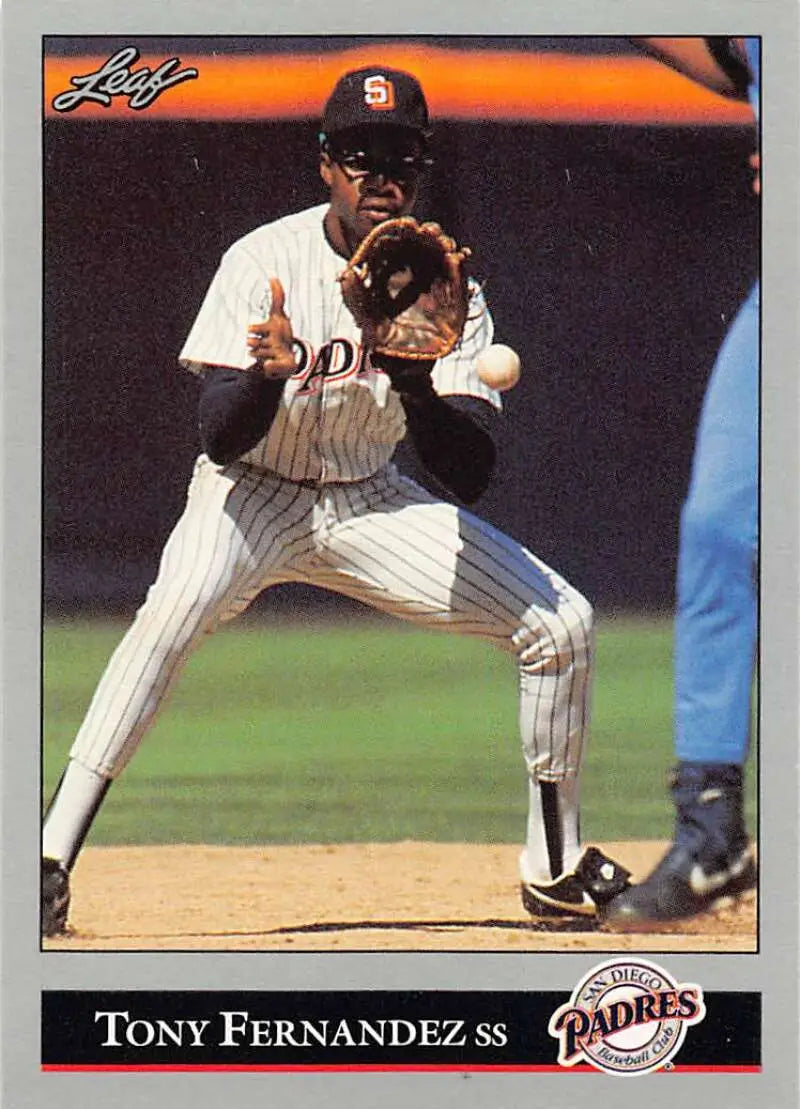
(716, 622)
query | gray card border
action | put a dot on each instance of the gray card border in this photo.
(25, 970)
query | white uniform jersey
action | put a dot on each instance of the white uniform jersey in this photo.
(339, 419)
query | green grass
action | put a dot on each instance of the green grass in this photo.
(362, 732)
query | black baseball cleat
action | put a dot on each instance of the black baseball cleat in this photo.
(679, 888)
(55, 898)
(710, 863)
(594, 882)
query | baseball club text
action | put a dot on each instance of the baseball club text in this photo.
(116, 78)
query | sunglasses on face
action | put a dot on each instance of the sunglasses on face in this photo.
(358, 164)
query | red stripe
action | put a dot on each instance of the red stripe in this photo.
(231, 1068)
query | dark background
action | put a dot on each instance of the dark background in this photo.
(614, 258)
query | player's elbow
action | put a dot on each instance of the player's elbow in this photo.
(465, 471)
(235, 411)
(469, 485)
(224, 440)
(218, 449)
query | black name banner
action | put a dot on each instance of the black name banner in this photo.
(348, 1030)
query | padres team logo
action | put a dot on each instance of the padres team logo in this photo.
(379, 93)
(626, 1017)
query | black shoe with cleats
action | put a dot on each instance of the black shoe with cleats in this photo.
(595, 881)
(710, 863)
(55, 898)
(680, 888)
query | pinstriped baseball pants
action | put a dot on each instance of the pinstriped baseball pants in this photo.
(384, 541)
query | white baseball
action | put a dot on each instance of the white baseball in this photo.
(498, 367)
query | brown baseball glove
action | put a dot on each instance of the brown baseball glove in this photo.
(407, 289)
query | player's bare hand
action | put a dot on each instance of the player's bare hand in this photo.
(270, 340)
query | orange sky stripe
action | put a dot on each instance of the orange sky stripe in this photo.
(459, 84)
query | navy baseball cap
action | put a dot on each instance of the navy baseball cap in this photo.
(376, 96)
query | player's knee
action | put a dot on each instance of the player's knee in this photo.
(582, 613)
(562, 640)
(172, 626)
(577, 628)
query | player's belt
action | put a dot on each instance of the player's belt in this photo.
(316, 482)
(307, 482)
(302, 482)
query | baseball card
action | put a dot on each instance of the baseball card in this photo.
(400, 665)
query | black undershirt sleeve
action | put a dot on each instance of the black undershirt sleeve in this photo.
(452, 436)
(453, 439)
(235, 410)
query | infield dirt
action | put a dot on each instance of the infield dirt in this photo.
(348, 897)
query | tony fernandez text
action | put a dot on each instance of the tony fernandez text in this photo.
(236, 1028)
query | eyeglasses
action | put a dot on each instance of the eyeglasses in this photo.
(359, 164)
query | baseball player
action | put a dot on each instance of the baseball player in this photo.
(295, 483)
(716, 623)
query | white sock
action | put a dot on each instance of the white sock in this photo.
(535, 863)
(73, 808)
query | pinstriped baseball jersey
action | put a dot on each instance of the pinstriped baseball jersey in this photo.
(339, 419)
